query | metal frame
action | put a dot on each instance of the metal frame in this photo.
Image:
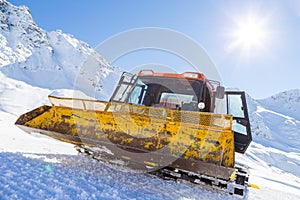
(130, 84)
(241, 141)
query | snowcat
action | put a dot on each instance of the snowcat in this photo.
(164, 123)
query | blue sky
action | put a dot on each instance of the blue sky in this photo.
(254, 44)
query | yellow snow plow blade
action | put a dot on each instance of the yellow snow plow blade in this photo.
(194, 141)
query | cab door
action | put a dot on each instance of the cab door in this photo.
(237, 107)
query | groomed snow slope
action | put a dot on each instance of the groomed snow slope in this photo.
(32, 176)
(39, 176)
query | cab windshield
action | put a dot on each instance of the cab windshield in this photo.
(173, 93)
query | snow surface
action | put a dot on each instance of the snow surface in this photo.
(35, 63)
(73, 177)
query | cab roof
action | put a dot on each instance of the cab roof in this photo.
(185, 75)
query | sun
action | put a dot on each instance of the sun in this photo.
(248, 35)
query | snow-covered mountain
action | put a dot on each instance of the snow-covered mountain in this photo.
(287, 103)
(51, 60)
(277, 118)
(35, 63)
(274, 154)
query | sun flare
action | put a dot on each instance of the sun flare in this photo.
(248, 35)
